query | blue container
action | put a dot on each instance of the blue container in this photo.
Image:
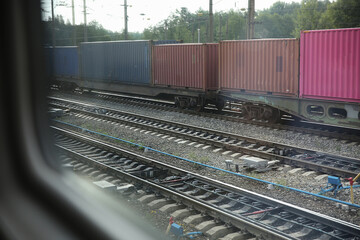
(116, 62)
(64, 61)
(48, 61)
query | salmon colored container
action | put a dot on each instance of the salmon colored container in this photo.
(190, 66)
(266, 66)
(330, 64)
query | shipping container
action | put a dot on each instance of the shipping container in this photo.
(266, 66)
(116, 62)
(162, 42)
(190, 66)
(63, 61)
(330, 64)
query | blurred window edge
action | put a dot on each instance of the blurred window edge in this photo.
(37, 202)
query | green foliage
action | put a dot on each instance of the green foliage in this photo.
(281, 20)
(278, 21)
(342, 14)
(64, 33)
(309, 15)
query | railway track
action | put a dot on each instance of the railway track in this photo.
(304, 158)
(219, 209)
(232, 112)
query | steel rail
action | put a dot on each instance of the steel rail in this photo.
(220, 139)
(253, 226)
(229, 114)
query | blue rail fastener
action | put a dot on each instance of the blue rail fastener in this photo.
(178, 231)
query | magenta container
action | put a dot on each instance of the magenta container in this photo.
(330, 64)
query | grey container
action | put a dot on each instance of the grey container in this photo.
(116, 62)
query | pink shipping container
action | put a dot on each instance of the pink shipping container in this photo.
(192, 66)
(266, 66)
(330, 64)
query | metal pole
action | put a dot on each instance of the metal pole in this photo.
(220, 28)
(85, 27)
(126, 20)
(53, 24)
(251, 13)
(211, 21)
(198, 35)
(227, 27)
(73, 22)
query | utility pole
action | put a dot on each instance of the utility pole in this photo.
(207, 32)
(126, 20)
(220, 37)
(73, 22)
(251, 13)
(85, 27)
(53, 24)
(227, 27)
(198, 35)
(211, 21)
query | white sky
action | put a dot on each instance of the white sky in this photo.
(110, 13)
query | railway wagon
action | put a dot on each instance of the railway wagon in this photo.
(126, 67)
(190, 67)
(321, 84)
(252, 70)
(330, 75)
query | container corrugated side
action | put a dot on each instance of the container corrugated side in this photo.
(117, 62)
(162, 42)
(64, 61)
(185, 65)
(212, 66)
(266, 66)
(330, 64)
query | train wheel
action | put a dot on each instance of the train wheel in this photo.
(199, 108)
(220, 104)
(275, 117)
(200, 104)
(246, 112)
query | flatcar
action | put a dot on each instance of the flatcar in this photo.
(314, 78)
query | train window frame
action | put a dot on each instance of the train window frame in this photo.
(37, 200)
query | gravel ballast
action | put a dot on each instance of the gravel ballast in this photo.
(301, 140)
(280, 176)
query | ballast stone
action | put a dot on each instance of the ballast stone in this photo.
(254, 162)
(105, 185)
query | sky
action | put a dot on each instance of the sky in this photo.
(141, 13)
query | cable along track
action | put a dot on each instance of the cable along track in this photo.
(262, 216)
(299, 157)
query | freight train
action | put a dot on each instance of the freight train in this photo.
(316, 77)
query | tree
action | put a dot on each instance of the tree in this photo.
(309, 15)
(277, 21)
(341, 14)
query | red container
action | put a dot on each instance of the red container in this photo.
(192, 66)
(266, 66)
(330, 64)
